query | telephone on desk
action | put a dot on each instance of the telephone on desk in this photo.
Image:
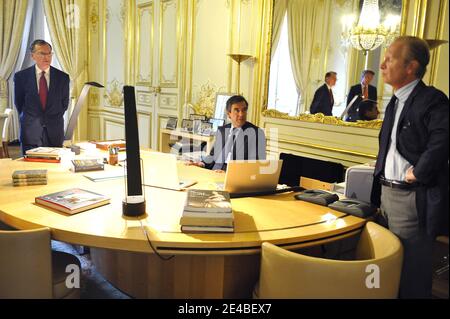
(317, 196)
(354, 207)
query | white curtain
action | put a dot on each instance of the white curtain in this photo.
(279, 12)
(12, 19)
(19, 65)
(305, 28)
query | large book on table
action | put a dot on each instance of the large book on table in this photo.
(208, 201)
(207, 208)
(72, 201)
(105, 145)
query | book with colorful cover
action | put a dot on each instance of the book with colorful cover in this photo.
(41, 159)
(29, 173)
(84, 165)
(72, 201)
(54, 152)
(211, 201)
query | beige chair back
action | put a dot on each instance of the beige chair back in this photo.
(286, 274)
(25, 264)
(5, 131)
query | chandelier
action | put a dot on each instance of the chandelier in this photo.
(369, 33)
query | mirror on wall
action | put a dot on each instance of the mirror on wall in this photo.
(310, 38)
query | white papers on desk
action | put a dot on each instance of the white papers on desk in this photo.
(105, 175)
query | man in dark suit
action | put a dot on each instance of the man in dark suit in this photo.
(363, 91)
(41, 98)
(367, 111)
(411, 173)
(323, 100)
(238, 140)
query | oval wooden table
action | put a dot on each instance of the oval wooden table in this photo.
(208, 265)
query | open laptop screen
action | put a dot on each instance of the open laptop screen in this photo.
(252, 176)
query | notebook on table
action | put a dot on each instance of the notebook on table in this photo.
(160, 170)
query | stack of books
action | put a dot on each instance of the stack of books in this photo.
(30, 177)
(85, 165)
(44, 154)
(207, 211)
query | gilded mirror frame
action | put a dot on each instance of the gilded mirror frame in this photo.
(313, 118)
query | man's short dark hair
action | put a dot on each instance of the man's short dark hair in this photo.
(330, 73)
(39, 42)
(363, 73)
(416, 49)
(235, 99)
(365, 106)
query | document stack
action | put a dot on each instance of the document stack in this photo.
(207, 211)
(44, 154)
(30, 177)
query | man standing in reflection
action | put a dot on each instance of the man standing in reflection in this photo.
(323, 98)
(41, 95)
(411, 173)
(238, 140)
(363, 91)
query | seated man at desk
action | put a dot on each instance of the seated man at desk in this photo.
(367, 111)
(323, 100)
(363, 91)
(238, 140)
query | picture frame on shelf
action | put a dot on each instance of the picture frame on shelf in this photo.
(187, 125)
(171, 123)
(196, 124)
(206, 128)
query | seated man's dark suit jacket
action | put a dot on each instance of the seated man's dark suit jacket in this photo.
(422, 139)
(322, 101)
(31, 115)
(250, 144)
(357, 90)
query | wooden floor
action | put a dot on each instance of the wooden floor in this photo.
(440, 279)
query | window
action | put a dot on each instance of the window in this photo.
(283, 95)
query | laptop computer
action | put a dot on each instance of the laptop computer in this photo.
(252, 176)
(160, 170)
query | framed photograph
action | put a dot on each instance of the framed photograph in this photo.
(220, 110)
(187, 125)
(196, 126)
(197, 117)
(172, 123)
(216, 123)
(206, 128)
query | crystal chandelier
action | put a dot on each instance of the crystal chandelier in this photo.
(369, 34)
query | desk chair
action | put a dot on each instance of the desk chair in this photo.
(5, 133)
(285, 274)
(29, 269)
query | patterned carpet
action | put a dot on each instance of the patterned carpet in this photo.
(93, 285)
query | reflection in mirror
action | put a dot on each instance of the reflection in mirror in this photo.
(310, 38)
(220, 111)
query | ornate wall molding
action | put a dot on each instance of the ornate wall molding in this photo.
(320, 118)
